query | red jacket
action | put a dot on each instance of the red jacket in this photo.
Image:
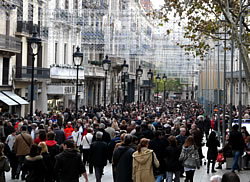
(68, 131)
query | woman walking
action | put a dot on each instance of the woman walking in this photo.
(4, 164)
(143, 160)
(172, 164)
(190, 158)
(212, 153)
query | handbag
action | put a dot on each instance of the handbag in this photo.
(220, 157)
(156, 170)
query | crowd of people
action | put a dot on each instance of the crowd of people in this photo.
(148, 143)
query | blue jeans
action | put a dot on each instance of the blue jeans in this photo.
(159, 178)
(169, 176)
(236, 155)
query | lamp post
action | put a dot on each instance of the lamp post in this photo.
(150, 78)
(124, 71)
(106, 66)
(35, 42)
(139, 73)
(77, 58)
(164, 77)
(158, 79)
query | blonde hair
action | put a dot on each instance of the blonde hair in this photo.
(43, 147)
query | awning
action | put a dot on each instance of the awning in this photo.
(7, 100)
(15, 97)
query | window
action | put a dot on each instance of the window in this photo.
(75, 4)
(66, 4)
(6, 62)
(56, 53)
(57, 4)
(65, 53)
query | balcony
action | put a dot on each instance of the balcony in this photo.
(22, 28)
(94, 71)
(67, 72)
(10, 44)
(39, 73)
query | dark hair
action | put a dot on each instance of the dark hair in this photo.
(172, 141)
(35, 150)
(212, 136)
(235, 127)
(230, 177)
(128, 139)
(69, 144)
(143, 143)
(51, 135)
(1, 149)
(158, 134)
(138, 128)
(24, 128)
(42, 134)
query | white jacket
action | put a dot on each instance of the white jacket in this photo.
(77, 136)
(87, 140)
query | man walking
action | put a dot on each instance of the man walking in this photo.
(99, 155)
(69, 165)
(22, 147)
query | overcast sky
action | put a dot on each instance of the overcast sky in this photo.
(157, 3)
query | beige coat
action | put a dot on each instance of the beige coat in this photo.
(143, 167)
(20, 146)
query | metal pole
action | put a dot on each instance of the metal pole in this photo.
(164, 92)
(218, 93)
(206, 94)
(32, 87)
(77, 68)
(157, 91)
(224, 87)
(231, 82)
(149, 94)
(124, 102)
(240, 71)
(138, 105)
(105, 85)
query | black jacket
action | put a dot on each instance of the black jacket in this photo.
(36, 169)
(60, 136)
(158, 146)
(99, 153)
(69, 165)
(171, 158)
(123, 162)
(236, 141)
(212, 151)
(48, 163)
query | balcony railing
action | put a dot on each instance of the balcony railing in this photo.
(25, 72)
(10, 44)
(23, 27)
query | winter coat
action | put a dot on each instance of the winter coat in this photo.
(49, 165)
(236, 141)
(212, 151)
(190, 157)
(60, 136)
(158, 146)
(36, 168)
(123, 162)
(171, 159)
(4, 167)
(68, 131)
(20, 146)
(53, 149)
(99, 153)
(69, 165)
(143, 167)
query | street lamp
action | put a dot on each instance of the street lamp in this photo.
(150, 77)
(158, 79)
(35, 42)
(124, 71)
(77, 58)
(106, 66)
(164, 77)
(139, 73)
